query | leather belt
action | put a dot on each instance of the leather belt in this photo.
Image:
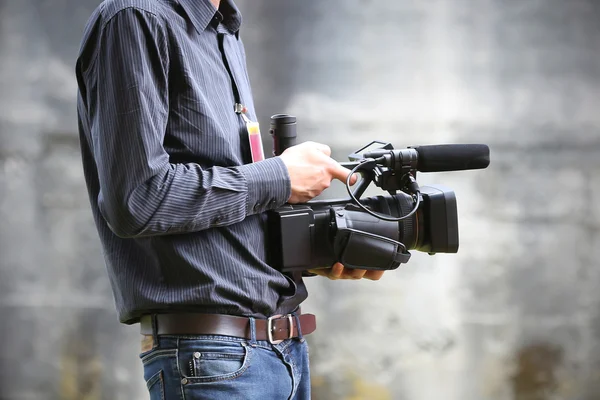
(274, 329)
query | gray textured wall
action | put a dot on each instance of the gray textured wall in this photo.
(514, 315)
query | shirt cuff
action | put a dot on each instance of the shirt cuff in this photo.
(268, 183)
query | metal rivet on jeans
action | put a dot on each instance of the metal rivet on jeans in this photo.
(184, 381)
(197, 354)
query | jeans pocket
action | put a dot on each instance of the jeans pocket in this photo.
(157, 364)
(156, 386)
(214, 361)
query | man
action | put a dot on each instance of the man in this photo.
(164, 102)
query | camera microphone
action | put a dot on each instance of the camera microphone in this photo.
(436, 158)
(452, 157)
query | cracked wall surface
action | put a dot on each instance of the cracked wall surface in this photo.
(514, 315)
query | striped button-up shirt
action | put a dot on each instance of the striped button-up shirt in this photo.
(179, 207)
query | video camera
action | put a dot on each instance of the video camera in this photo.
(373, 233)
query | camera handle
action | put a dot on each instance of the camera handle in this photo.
(283, 131)
(284, 134)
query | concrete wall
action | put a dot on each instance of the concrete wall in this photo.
(514, 315)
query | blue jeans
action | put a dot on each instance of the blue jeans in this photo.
(224, 367)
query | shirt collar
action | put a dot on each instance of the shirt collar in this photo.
(202, 13)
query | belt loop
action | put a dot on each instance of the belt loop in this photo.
(252, 331)
(297, 318)
(154, 321)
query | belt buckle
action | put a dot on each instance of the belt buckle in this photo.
(270, 327)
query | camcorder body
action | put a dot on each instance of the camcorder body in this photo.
(372, 233)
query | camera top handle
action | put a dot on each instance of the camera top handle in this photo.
(377, 162)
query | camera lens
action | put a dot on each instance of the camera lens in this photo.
(411, 230)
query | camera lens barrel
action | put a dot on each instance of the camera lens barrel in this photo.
(283, 130)
(409, 230)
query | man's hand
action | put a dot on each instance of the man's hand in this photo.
(311, 170)
(338, 271)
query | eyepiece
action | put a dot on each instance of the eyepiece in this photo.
(283, 119)
(283, 130)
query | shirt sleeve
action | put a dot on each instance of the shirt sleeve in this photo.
(141, 192)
